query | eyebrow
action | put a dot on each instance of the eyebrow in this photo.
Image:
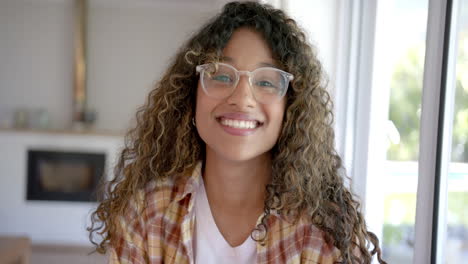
(262, 64)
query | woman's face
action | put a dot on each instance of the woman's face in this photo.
(218, 121)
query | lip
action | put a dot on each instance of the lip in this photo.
(238, 131)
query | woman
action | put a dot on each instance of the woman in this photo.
(232, 159)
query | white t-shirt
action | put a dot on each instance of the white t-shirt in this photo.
(210, 245)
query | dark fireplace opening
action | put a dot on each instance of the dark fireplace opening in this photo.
(64, 176)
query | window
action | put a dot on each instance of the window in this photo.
(397, 86)
(422, 185)
(455, 210)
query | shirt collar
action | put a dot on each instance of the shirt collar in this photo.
(287, 218)
(190, 183)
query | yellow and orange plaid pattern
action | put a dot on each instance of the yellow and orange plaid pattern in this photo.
(164, 232)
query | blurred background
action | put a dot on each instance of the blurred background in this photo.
(74, 72)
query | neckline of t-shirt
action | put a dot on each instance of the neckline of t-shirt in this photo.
(203, 208)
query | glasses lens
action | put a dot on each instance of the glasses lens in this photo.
(269, 84)
(219, 80)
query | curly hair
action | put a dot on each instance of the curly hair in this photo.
(307, 173)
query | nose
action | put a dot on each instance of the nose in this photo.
(242, 95)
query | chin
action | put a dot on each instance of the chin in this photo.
(238, 155)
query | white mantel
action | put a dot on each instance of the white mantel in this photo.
(49, 222)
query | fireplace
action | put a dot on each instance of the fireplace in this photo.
(64, 175)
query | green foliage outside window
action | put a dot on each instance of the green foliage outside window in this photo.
(405, 111)
(405, 104)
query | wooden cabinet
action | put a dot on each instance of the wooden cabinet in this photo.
(14, 250)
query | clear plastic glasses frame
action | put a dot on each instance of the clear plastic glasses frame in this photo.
(268, 84)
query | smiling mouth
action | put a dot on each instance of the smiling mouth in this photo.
(239, 124)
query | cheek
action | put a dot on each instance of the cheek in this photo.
(277, 113)
(279, 117)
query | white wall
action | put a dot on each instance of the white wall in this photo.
(45, 221)
(36, 57)
(129, 46)
(319, 19)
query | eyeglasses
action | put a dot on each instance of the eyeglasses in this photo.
(268, 84)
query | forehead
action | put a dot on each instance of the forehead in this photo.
(247, 49)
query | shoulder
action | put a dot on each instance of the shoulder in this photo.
(148, 201)
(299, 240)
(315, 245)
(158, 195)
(142, 224)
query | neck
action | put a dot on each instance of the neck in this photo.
(237, 186)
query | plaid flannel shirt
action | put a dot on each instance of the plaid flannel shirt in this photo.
(164, 232)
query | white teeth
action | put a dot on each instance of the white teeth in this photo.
(242, 124)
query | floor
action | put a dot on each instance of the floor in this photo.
(59, 254)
